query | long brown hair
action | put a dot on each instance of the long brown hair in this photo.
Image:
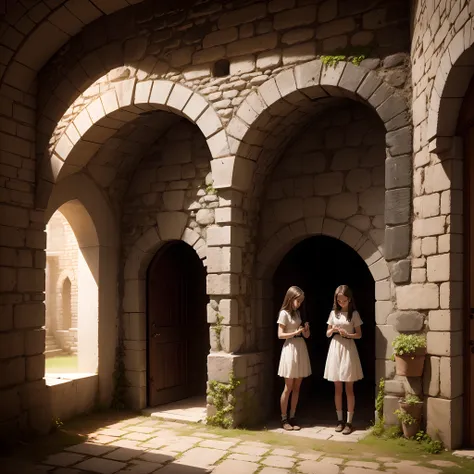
(293, 293)
(347, 292)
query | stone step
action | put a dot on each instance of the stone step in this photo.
(52, 352)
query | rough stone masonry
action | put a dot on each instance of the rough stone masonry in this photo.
(173, 121)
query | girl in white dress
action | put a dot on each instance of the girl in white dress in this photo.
(343, 363)
(294, 360)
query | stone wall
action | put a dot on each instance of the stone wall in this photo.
(441, 32)
(124, 51)
(62, 261)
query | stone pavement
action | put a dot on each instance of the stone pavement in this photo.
(143, 445)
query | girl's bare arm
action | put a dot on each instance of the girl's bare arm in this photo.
(331, 330)
(287, 335)
(306, 332)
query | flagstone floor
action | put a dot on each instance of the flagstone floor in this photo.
(145, 445)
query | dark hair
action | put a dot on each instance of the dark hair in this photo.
(293, 293)
(347, 292)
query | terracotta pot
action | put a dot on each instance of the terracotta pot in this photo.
(410, 430)
(410, 365)
(415, 410)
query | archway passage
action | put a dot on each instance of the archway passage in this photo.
(466, 131)
(178, 333)
(319, 265)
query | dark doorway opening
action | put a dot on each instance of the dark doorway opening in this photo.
(177, 329)
(319, 265)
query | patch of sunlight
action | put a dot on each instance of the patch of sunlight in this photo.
(61, 364)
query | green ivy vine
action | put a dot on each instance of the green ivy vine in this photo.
(217, 328)
(333, 61)
(120, 380)
(380, 397)
(222, 397)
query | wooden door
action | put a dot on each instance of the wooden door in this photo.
(178, 336)
(466, 130)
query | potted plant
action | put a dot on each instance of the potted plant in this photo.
(412, 405)
(409, 353)
(410, 425)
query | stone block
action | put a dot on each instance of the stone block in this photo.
(426, 206)
(242, 65)
(11, 345)
(397, 242)
(223, 284)
(372, 201)
(418, 296)
(29, 315)
(445, 320)
(209, 122)
(438, 177)
(406, 321)
(451, 377)
(384, 336)
(451, 295)
(429, 246)
(308, 77)
(342, 206)
(358, 180)
(397, 206)
(390, 404)
(228, 215)
(445, 420)
(218, 236)
(382, 310)
(229, 309)
(205, 217)
(13, 371)
(224, 260)
(297, 17)
(444, 267)
(418, 275)
(243, 15)
(232, 338)
(35, 367)
(327, 184)
(253, 45)
(431, 376)
(384, 369)
(400, 271)
(134, 296)
(399, 141)
(352, 77)
(173, 200)
(430, 226)
(30, 279)
(395, 387)
(34, 341)
(12, 216)
(220, 37)
(220, 366)
(444, 343)
(379, 270)
(171, 225)
(232, 172)
(297, 36)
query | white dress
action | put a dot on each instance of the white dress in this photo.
(343, 363)
(294, 360)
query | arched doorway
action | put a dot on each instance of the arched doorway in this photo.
(319, 265)
(466, 131)
(178, 333)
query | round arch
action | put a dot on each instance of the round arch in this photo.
(78, 198)
(171, 226)
(124, 103)
(455, 71)
(289, 235)
(269, 116)
(53, 31)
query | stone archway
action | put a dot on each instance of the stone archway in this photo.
(96, 230)
(125, 102)
(171, 226)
